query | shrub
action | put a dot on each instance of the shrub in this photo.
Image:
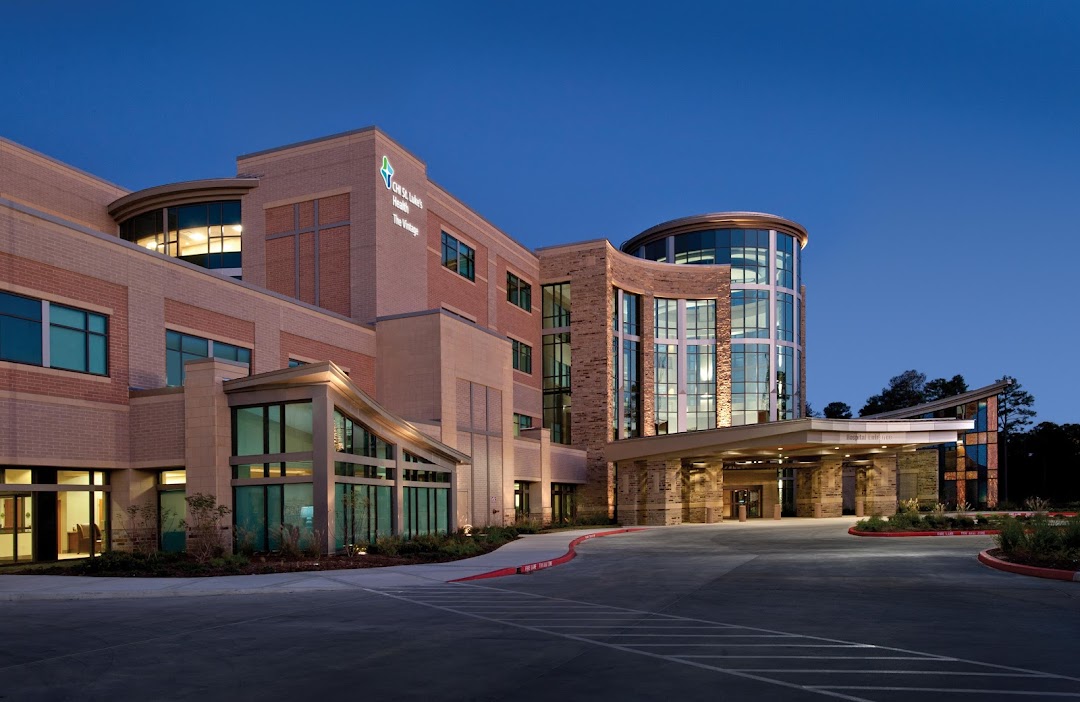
(1012, 537)
(963, 522)
(906, 521)
(204, 527)
(1036, 504)
(874, 523)
(937, 521)
(908, 506)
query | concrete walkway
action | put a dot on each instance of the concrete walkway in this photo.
(528, 549)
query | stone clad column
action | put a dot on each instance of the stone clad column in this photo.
(208, 432)
(819, 491)
(877, 485)
(651, 492)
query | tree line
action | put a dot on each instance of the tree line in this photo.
(1043, 459)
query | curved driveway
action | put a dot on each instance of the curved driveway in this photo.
(796, 609)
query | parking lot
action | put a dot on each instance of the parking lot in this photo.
(795, 609)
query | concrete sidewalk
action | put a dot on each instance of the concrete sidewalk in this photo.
(528, 549)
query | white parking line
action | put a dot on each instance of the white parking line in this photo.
(524, 610)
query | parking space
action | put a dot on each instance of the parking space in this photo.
(825, 666)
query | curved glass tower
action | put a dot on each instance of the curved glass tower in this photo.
(765, 306)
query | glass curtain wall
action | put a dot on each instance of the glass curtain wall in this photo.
(685, 365)
(626, 363)
(207, 234)
(556, 360)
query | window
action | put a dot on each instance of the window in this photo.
(522, 356)
(294, 363)
(521, 499)
(426, 511)
(458, 257)
(626, 364)
(563, 504)
(556, 383)
(785, 260)
(685, 365)
(271, 429)
(266, 514)
(77, 340)
(353, 437)
(665, 318)
(787, 376)
(750, 314)
(363, 513)
(522, 421)
(785, 316)
(181, 348)
(750, 256)
(518, 292)
(207, 234)
(667, 388)
(749, 384)
(556, 302)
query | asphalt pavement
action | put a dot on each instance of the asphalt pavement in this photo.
(796, 609)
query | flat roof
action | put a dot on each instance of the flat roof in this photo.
(717, 220)
(811, 436)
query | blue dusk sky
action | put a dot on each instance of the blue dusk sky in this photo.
(932, 149)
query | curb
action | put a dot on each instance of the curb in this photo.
(1052, 573)
(550, 563)
(902, 534)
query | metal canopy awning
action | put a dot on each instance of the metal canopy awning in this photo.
(810, 437)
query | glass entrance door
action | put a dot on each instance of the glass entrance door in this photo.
(751, 497)
(16, 528)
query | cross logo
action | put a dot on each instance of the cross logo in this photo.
(387, 171)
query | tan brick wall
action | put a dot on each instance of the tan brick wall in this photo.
(56, 188)
(160, 417)
(213, 323)
(361, 367)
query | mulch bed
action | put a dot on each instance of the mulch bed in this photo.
(176, 566)
(1058, 563)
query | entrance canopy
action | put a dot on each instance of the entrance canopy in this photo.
(810, 437)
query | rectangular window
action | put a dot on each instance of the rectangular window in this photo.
(458, 257)
(426, 511)
(362, 513)
(667, 388)
(786, 383)
(785, 316)
(666, 318)
(700, 387)
(750, 314)
(785, 260)
(518, 292)
(749, 384)
(77, 340)
(556, 383)
(522, 421)
(563, 504)
(556, 305)
(181, 348)
(265, 515)
(750, 256)
(522, 356)
(260, 429)
(294, 363)
(701, 319)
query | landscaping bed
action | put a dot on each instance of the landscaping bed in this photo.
(389, 551)
(1040, 543)
(932, 524)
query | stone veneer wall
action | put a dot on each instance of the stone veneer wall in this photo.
(593, 270)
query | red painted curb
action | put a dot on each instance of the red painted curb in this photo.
(551, 563)
(964, 532)
(1052, 573)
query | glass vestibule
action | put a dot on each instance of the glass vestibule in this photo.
(16, 528)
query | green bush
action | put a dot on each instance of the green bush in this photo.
(874, 524)
(906, 521)
(963, 522)
(1012, 537)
